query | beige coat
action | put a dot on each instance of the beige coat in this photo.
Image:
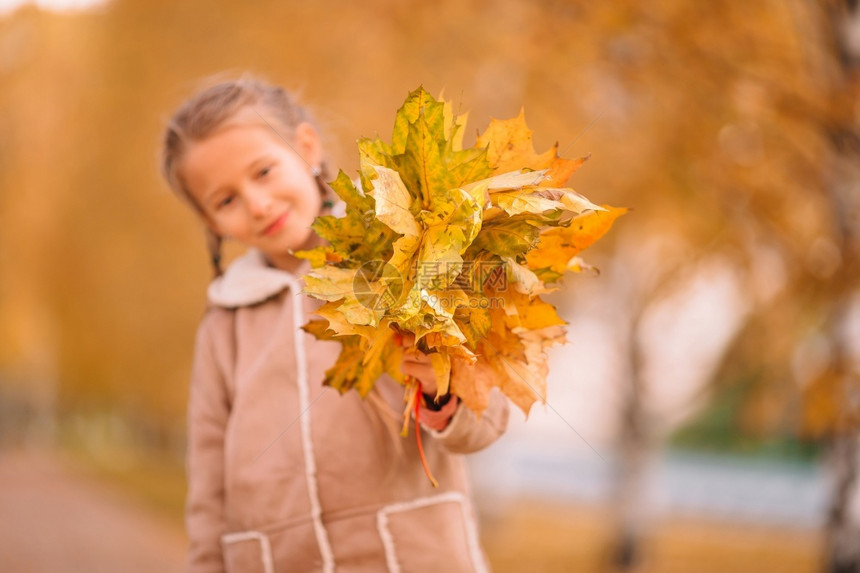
(288, 475)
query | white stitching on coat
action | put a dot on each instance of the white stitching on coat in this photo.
(468, 523)
(307, 443)
(265, 548)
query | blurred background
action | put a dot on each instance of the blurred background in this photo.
(704, 415)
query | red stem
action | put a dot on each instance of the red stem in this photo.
(418, 438)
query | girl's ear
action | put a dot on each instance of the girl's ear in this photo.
(308, 144)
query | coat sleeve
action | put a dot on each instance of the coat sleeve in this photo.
(208, 411)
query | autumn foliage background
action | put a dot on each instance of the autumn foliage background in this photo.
(726, 316)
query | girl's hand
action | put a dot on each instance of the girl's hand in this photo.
(418, 365)
(438, 419)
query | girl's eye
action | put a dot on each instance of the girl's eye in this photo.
(264, 171)
(224, 202)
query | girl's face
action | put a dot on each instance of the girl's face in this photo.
(253, 188)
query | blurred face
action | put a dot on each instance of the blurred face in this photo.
(254, 188)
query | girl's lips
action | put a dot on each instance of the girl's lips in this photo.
(276, 225)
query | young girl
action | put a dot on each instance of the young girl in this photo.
(284, 473)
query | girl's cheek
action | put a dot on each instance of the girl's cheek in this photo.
(227, 224)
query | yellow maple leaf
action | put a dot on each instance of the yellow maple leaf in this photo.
(473, 382)
(509, 146)
(339, 323)
(393, 202)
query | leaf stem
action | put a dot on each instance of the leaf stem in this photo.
(433, 481)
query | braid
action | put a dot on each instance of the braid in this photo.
(328, 195)
(213, 244)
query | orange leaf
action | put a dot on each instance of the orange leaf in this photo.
(558, 245)
(509, 146)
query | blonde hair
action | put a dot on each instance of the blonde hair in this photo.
(212, 108)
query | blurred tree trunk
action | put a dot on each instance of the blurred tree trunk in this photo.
(634, 448)
(836, 23)
(843, 534)
(843, 525)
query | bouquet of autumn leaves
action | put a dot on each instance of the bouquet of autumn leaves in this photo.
(455, 246)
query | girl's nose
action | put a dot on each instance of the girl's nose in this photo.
(259, 201)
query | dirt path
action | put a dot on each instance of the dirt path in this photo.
(536, 536)
(54, 516)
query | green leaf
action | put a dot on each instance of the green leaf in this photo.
(419, 103)
(506, 237)
(347, 191)
(422, 167)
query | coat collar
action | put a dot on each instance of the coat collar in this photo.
(249, 279)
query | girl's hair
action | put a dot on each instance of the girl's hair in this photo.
(205, 113)
(214, 107)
